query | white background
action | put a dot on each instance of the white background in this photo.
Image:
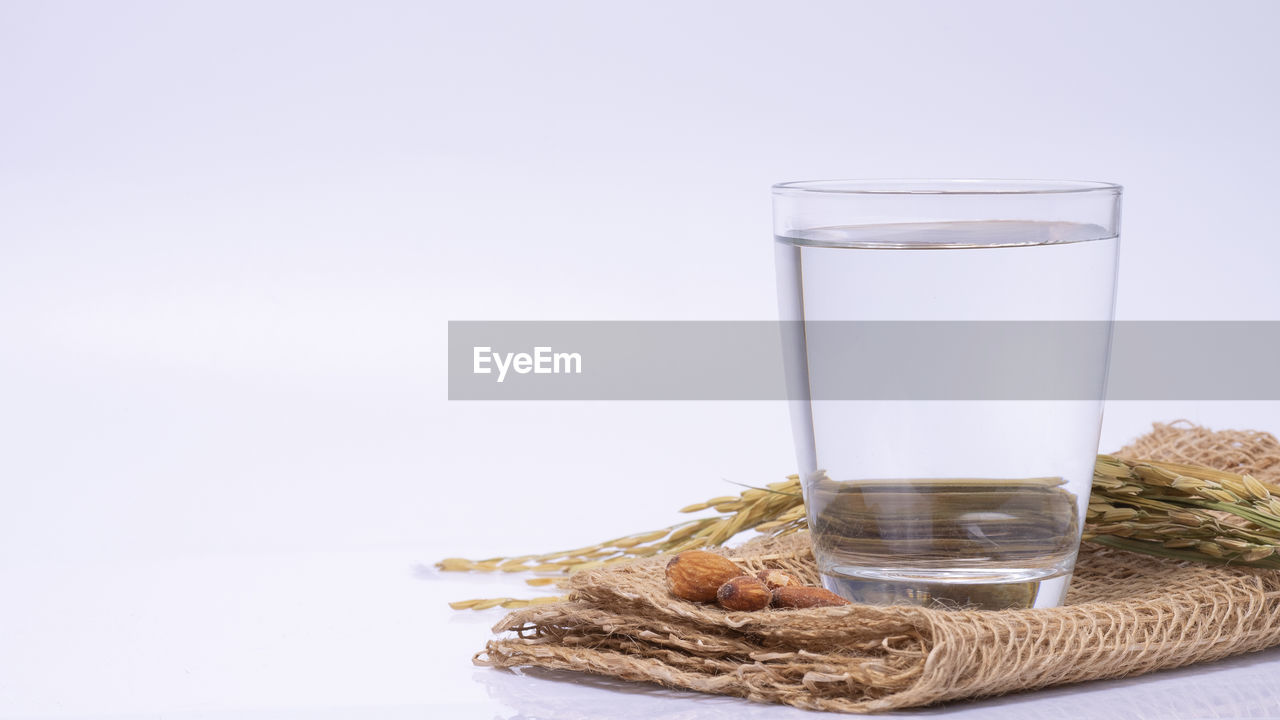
(231, 235)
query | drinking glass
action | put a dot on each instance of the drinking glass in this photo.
(946, 346)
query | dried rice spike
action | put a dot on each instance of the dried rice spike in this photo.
(1255, 489)
(1258, 553)
(1169, 509)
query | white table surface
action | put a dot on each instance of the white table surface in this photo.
(369, 635)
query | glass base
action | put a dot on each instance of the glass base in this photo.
(952, 589)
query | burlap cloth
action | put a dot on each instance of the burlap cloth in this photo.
(1126, 614)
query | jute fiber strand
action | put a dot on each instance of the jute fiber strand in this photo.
(1126, 614)
(1245, 452)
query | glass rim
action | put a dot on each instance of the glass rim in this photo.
(943, 186)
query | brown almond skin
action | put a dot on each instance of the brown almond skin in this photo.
(775, 579)
(744, 593)
(804, 596)
(696, 575)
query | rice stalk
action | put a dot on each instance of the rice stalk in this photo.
(1171, 510)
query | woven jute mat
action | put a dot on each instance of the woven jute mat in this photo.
(1126, 614)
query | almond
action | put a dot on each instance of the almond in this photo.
(775, 579)
(744, 593)
(697, 575)
(804, 596)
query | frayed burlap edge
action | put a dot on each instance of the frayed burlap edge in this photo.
(1244, 452)
(1127, 614)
